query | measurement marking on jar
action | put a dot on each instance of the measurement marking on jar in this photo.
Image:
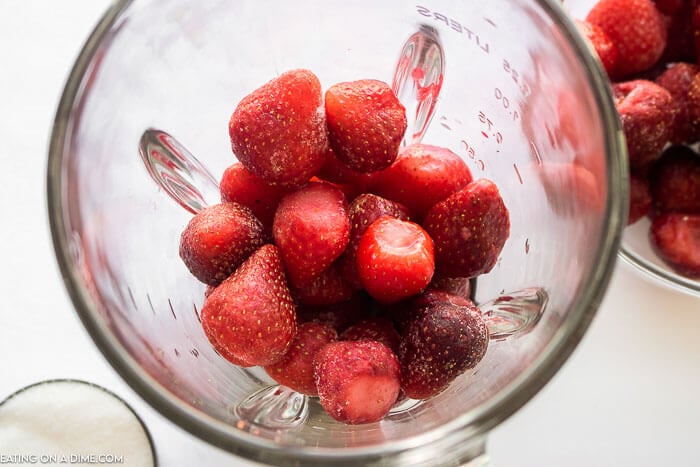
(517, 172)
(536, 153)
(443, 123)
(455, 26)
(150, 304)
(196, 312)
(491, 22)
(527, 245)
(172, 310)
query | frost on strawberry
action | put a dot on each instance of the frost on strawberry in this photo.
(366, 123)
(440, 342)
(278, 131)
(357, 381)
(250, 317)
(469, 229)
(218, 239)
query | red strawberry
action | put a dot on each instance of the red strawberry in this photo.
(640, 198)
(278, 131)
(403, 312)
(572, 188)
(693, 103)
(676, 239)
(326, 289)
(647, 113)
(395, 259)
(218, 239)
(376, 328)
(333, 170)
(250, 317)
(362, 211)
(421, 176)
(366, 123)
(339, 315)
(636, 28)
(296, 368)
(311, 229)
(240, 185)
(469, 230)
(675, 181)
(677, 80)
(357, 381)
(602, 44)
(438, 345)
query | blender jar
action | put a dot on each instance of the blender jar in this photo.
(510, 86)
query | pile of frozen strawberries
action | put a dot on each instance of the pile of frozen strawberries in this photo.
(338, 260)
(650, 51)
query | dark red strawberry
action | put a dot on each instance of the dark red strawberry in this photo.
(647, 113)
(406, 310)
(395, 259)
(676, 239)
(296, 368)
(240, 185)
(327, 288)
(364, 210)
(469, 230)
(602, 44)
(278, 131)
(635, 27)
(675, 181)
(640, 198)
(680, 40)
(357, 381)
(366, 123)
(693, 102)
(250, 317)
(676, 79)
(339, 315)
(218, 239)
(421, 176)
(311, 228)
(438, 345)
(375, 328)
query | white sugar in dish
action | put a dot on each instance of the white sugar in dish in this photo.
(71, 422)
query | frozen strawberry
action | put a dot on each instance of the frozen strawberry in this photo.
(278, 131)
(395, 259)
(676, 79)
(438, 345)
(218, 239)
(675, 181)
(240, 185)
(327, 288)
(339, 315)
(469, 230)
(403, 312)
(333, 170)
(636, 28)
(572, 188)
(357, 381)
(250, 317)
(421, 176)
(366, 123)
(647, 114)
(640, 198)
(311, 228)
(363, 210)
(602, 44)
(296, 368)
(375, 328)
(676, 239)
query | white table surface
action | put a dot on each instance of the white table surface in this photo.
(629, 396)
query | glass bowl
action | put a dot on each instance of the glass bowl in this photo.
(518, 96)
